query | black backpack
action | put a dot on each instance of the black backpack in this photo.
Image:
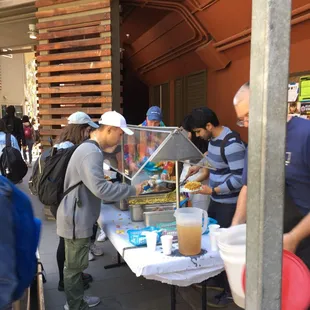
(51, 184)
(231, 135)
(12, 164)
(37, 171)
(10, 125)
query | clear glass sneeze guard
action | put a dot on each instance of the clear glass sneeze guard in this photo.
(142, 152)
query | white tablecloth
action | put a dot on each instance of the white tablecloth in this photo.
(180, 271)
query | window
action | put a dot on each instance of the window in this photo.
(160, 96)
(190, 93)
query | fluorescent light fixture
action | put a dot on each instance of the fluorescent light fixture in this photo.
(32, 31)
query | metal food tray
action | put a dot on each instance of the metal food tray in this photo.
(156, 217)
(153, 199)
(136, 211)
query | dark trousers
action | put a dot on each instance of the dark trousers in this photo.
(223, 213)
(29, 144)
(292, 216)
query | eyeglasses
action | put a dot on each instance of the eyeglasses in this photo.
(243, 120)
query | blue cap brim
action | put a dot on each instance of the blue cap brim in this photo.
(154, 118)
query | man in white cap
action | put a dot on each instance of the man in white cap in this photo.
(80, 209)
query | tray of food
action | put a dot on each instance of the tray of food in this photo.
(154, 199)
(191, 187)
(157, 189)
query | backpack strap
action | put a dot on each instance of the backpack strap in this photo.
(66, 192)
(8, 142)
(71, 188)
(224, 143)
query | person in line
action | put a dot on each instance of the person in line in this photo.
(199, 200)
(29, 139)
(224, 183)
(14, 126)
(297, 179)
(80, 209)
(8, 276)
(112, 159)
(77, 131)
(3, 132)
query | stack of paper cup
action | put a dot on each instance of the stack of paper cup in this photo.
(151, 240)
(214, 232)
(166, 242)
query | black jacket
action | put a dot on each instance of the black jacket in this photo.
(15, 127)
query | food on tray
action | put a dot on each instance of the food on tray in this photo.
(193, 186)
(161, 198)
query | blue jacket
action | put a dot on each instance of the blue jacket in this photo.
(2, 142)
(8, 279)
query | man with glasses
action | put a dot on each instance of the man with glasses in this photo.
(297, 180)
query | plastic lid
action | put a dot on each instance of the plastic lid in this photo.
(295, 283)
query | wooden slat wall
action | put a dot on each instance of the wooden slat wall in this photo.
(74, 58)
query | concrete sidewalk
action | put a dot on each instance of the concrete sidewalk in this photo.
(119, 288)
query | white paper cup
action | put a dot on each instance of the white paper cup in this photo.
(151, 241)
(166, 242)
(214, 227)
(214, 232)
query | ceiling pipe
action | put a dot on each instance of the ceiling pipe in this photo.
(198, 7)
(159, 36)
(295, 21)
(191, 21)
(173, 53)
(247, 32)
(185, 18)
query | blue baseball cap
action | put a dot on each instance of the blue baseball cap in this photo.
(154, 114)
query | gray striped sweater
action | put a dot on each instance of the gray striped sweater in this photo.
(228, 177)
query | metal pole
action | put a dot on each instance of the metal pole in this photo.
(177, 187)
(268, 113)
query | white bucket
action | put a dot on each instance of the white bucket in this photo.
(232, 245)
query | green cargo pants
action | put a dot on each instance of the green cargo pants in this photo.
(76, 252)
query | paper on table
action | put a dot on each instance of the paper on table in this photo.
(293, 89)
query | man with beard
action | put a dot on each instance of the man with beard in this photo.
(226, 181)
(226, 153)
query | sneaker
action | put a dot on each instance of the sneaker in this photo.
(97, 251)
(92, 301)
(91, 257)
(221, 300)
(102, 236)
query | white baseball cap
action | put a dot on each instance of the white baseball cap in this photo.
(80, 118)
(112, 118)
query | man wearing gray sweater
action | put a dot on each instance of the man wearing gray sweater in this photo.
(80, 209)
